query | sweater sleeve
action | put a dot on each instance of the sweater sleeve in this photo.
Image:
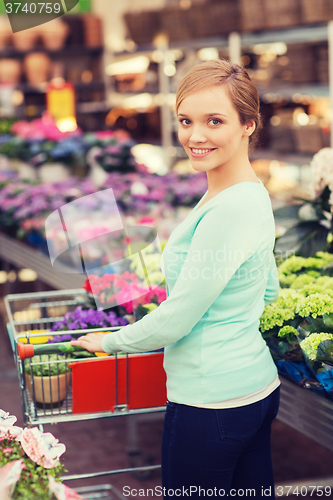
(273, 284)
(224, 238)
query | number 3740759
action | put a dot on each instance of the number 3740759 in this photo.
(303, 491)
(32, 8)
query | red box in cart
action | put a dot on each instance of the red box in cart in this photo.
(139, 378)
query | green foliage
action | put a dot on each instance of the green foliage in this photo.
(288, 332)
(49, 368)
(311, 343)
(311, 289)
(301, 281)
(296, 264)
(274, 316)
(314, 305)
(292, 265)
(286, 280)
(312, 272)
(325, 281)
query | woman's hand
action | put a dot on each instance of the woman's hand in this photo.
(92, 342)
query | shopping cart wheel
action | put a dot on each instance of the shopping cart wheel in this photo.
(141, 459)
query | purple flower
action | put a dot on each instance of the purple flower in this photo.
(60, 338)
(74, 325)
(87, 318)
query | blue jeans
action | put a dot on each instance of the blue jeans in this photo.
(226, 451)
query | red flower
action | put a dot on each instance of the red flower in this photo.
(87, 285)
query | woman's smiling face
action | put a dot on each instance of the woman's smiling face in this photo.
(210, 129)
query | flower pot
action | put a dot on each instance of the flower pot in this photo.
(54, 34)
(10, 71)
(49, 391)
(25, 40)
(37, 66)
(5, 32)
(93, 35)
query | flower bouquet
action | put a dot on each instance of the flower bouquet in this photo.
(30, 466)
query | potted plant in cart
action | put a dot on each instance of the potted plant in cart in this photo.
(47, 378)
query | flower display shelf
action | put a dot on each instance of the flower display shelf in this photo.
(306, 412)
(22, 255)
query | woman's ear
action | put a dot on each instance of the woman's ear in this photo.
(250, 128)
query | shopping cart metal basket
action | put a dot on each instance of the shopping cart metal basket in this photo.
(54, 386)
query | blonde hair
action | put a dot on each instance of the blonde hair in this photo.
(242, 91)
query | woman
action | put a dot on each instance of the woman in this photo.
(222, 383)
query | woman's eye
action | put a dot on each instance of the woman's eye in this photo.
(186, 121)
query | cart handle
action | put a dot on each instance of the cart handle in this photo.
(29, 350)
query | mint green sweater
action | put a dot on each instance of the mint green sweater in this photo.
(220, 273)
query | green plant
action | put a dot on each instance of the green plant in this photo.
(49, 365)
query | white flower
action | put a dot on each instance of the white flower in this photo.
(12, 432)
(7, 420)
(307, 212)
(322, 172)
(43, 448)
(139, 188)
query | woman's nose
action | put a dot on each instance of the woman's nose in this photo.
(197, 135)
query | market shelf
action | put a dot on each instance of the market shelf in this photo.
(41, 89)
(306, 412)
(313, 33)
(299, 159)
(312, 90)
(66, 51)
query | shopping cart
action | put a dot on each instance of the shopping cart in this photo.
(58, 387)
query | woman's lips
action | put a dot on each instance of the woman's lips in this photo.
(200, 152)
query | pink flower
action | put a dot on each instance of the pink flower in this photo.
(9, 475)
(61, 491)
(41, 129)
(7, 450)
(147, 220)
(104, 135)
(121, 135)
(142, 168)
(43, 448)
(129, 293)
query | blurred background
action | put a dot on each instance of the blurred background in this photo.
(87, 103)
